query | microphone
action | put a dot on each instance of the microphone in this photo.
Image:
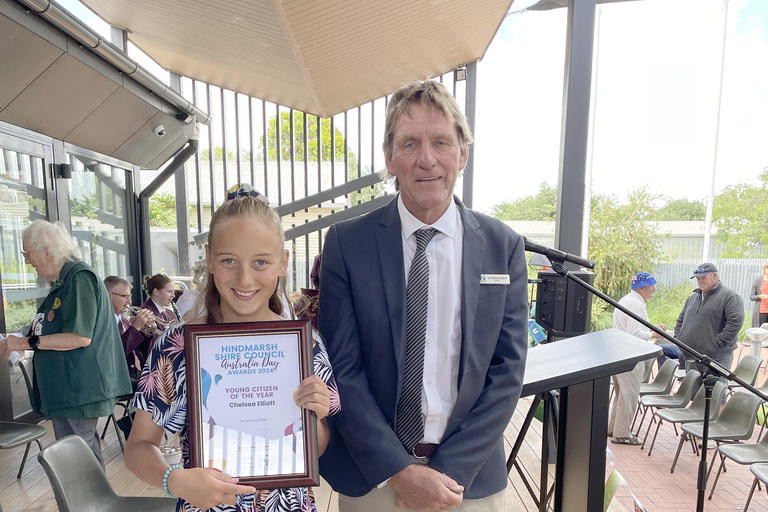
(557, 255)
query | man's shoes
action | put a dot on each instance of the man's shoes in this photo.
(632, 440)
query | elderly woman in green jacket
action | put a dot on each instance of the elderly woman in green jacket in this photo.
(79, 367)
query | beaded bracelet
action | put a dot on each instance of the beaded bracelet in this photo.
(165, 479)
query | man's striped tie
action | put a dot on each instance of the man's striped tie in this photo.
(410, 426)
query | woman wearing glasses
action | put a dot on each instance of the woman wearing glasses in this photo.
(79, 366)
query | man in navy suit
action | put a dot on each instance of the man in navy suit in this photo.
(471, 357)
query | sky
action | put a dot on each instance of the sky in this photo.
(656, 82)
(656, 75)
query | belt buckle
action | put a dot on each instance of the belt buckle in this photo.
(413, 454)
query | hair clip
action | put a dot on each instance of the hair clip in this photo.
(244, 189)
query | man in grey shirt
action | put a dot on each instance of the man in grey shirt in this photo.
(711, 318)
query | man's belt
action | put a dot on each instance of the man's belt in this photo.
(424, 450)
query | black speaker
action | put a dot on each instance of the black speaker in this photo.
(563, 306)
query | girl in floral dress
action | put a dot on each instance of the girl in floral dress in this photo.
(246, 262)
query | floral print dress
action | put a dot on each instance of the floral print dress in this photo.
(162, 392)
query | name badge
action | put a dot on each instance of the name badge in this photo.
(494, 278)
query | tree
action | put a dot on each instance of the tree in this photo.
(621, 244)
(85, 206)
(339, 147)
(680, 209)
(542, 206)
(740, 213)
(298, 139)
(218, 155)
(162, 211)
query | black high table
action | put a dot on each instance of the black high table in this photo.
(580, 368)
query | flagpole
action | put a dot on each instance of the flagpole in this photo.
(711, 193)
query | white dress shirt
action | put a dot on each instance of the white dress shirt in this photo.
(634, 302)
(443, 336)
(160, 308)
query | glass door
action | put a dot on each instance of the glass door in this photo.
(98, 213)
(23, 198)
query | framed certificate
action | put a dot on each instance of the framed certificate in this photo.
(242, 417)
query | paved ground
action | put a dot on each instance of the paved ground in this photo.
(650, 480)
(648, 477)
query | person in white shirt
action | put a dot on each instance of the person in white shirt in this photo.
(627, 385)
(423, 306)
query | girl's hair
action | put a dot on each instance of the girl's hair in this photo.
(52, 238)
(155, 282)
(252, 206)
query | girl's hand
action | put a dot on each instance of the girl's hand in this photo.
(205, 488)
(314, 395)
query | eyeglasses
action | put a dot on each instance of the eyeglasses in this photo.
(126, 296)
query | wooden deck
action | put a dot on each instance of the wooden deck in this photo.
(648, 477)
(32, 493)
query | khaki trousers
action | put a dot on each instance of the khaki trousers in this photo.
(626, 391)
(384, 499)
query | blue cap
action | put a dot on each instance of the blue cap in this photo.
(642, 280)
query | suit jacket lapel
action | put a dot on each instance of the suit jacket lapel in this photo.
(471, 267)
(389, 240)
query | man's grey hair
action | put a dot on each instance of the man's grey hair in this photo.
(430, 94)
(52, 238)
(111, 281)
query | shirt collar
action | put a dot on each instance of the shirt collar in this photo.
(447, 224)
(160, 308)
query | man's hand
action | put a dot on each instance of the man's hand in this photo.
(142, 318)
(654, 334)
(424, 489)
(17, 343)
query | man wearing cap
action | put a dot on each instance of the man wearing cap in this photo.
(711, 318)
(627, 385)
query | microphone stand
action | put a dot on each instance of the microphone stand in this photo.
(711, 372)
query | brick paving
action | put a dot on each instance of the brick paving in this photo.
(651, 482)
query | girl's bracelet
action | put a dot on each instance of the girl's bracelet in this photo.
(165, 479)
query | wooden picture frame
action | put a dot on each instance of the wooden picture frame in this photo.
(242, 417)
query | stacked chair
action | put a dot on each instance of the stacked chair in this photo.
(746, 370)
(661, 385)
(735, 423)
(692, 413)
(677, 400)
(754, 454)
(761, 475)
(80, 485)
(740, 454)
(27, 372)
(13, 434)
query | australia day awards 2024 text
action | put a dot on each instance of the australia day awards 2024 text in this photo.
(247, 423)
